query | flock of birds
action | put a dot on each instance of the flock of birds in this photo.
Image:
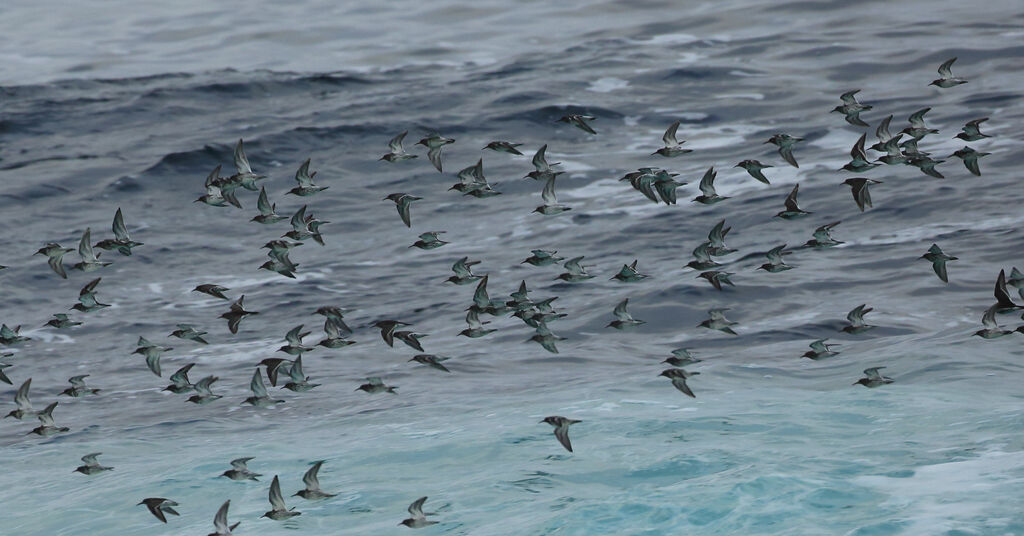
(656, 184)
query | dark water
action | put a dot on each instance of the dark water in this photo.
(773, 444)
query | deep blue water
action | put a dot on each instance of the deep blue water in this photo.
(108, 105)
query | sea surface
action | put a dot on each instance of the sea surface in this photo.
(122, 104)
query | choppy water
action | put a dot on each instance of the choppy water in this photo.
(108, 105)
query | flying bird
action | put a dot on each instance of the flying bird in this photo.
(550, 206)
(214, 195)
(475, 328)
(542, 169)
(260, 397)
(775, 262)
(546, 338)
(873, 378)
(716, 320)
(412, 340)
(278, 510)
(429, 240)
(970, 158)
(387, 330)
(716, 239)
(851, 108)
(402, 202)
(10, 336)
(856, 319)
(917, 128)
(158, 506)
(216, 291)
(179, 380)
(678, 377)
(709, 196)
(717, 278)
(561, 425)
(504, 147)
(579, 121)
(87, 301)
(55, 257)
(463, 272)
(268, 214)
(938, 259)
(299, 381)
(304, 178)
(972, 130)
(418, 518)
(47, 427)
(859, 188)
(672, 146)
(623, 320)
(754, 168)
(90, 260)
(822, 237)
(434, 142)
(702, 258)
(220, 521)
(203, 393)
(376, 385)
(244, 175)
(62, 321)
(792, 211)
(883, 134)
(294, 339)
(629, 274)
(91, 466)
(541, 257)
(1002, 295)
(21, 399)
(122, 242)
(991, 329)
(78, 388)
(236, 313)
(240, 470)
(432, 361)
(189, 333)
(574, 271)
(333, 334)
(396, 152)
(681, 357)
(820, 349)
(946, 78)
(785, 143)
(858, 157)
(311, 480)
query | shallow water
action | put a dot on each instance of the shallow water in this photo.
(773, 444)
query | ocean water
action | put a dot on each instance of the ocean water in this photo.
(115, 104)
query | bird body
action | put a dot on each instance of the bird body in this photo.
(561, 425)
(946, 79)
(579, 121)
(873, 378)
(311, 480)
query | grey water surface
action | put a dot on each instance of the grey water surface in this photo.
(129, 104)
